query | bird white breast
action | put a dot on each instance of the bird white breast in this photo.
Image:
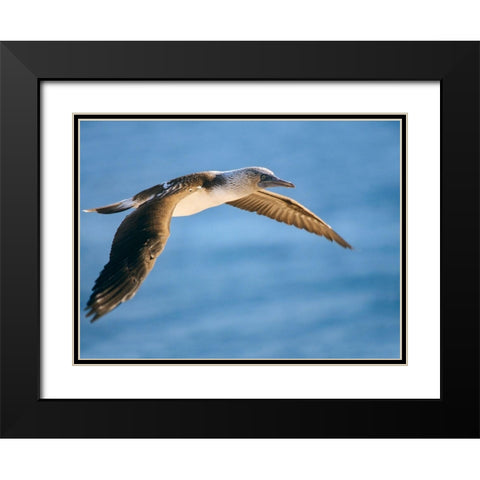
(203, 199)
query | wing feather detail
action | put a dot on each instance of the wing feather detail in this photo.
(139, 240)
(286, 210)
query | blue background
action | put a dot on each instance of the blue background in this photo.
(233, 284)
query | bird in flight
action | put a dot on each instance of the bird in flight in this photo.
(143, 234)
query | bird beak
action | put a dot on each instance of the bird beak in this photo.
(275, 182)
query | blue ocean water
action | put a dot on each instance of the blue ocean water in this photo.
(233, 284)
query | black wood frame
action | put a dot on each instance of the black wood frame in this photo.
(24, 65)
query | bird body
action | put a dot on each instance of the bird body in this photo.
(143, 234)
(223, 189)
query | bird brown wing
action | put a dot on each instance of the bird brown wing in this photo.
(139, 240)
(286, 210)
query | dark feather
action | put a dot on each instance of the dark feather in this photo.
(139, 240)
(286, 210)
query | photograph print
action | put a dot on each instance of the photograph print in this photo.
(240, 239)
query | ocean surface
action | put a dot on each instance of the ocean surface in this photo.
(233, 284)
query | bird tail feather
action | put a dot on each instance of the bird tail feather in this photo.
(115, 207)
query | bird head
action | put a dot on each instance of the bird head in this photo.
(263, 178)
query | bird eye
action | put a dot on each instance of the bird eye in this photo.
(263, 177)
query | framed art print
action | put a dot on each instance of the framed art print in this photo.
(272, 309)
(149, 187)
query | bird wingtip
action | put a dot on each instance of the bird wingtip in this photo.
(91, 312)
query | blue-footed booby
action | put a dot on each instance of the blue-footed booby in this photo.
(143, 234)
